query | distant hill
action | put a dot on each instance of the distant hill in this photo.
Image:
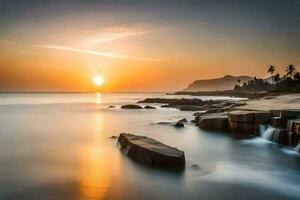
(224, 83)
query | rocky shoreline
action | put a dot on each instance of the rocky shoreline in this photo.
(247, 117)
(238, 118)
(230, 93)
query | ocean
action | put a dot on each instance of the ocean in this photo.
(57, 146)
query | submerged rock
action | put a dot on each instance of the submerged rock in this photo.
(132, 106)
(151, 152)
(179, 125)
(195, 166)
(111, 106)
(149, 107)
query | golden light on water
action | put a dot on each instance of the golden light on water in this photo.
(98, 80)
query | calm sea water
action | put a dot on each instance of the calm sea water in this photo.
(57, 147)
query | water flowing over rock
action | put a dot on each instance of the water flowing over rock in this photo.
(151, 152)
(277, 135)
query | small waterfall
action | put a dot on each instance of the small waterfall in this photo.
(267, 132)
(297, 148)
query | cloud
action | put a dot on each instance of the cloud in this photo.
(98, 53)
(116, 33)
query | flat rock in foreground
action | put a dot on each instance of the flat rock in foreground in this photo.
(151, 152)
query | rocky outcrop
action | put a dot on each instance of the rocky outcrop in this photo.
(151, 152)
(248, 122)
(213, 122)
(131, 106)
(224, 83)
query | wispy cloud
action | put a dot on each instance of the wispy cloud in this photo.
(116, 33)
(98, 53)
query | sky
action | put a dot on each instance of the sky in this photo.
(142, 45)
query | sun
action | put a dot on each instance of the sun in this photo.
(98, 80)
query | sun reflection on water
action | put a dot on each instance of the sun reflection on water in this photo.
(95, 168)
(98, 98)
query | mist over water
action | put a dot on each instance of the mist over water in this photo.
(58, 146)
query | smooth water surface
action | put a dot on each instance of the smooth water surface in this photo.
(58, 147)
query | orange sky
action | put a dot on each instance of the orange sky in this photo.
(41, 51)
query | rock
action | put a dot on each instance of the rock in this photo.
(190, 108)
(278, 121)
(244, 128)
(111, 106)
(196, 114)
(149, 107)
(287, 114)
(261, 118)
(241, 117)
(213, 122)
(151, 152)
(281, 136)
(294, 130)
(195, 166)
(113, 137)
(157, 100)
(183, 120)
(131, 106)
(179, 125)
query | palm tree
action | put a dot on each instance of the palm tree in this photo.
(271, 70)
(290, 70)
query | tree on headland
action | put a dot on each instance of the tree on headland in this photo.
(297, 76)
(276, 78)
(271, 70)
(239, 81)
(290, 70)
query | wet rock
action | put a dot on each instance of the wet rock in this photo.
(294, 130)
(184, 120)
(151, 152)
(280, 136)
(132, 106)
(157, 100)
(278, 121)
(196, 114)
(149, 107)
(261, 118)
(190, 108)
(213, 122)
(243, 128)
(179, 125)
(241, 117)
(287, 114)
